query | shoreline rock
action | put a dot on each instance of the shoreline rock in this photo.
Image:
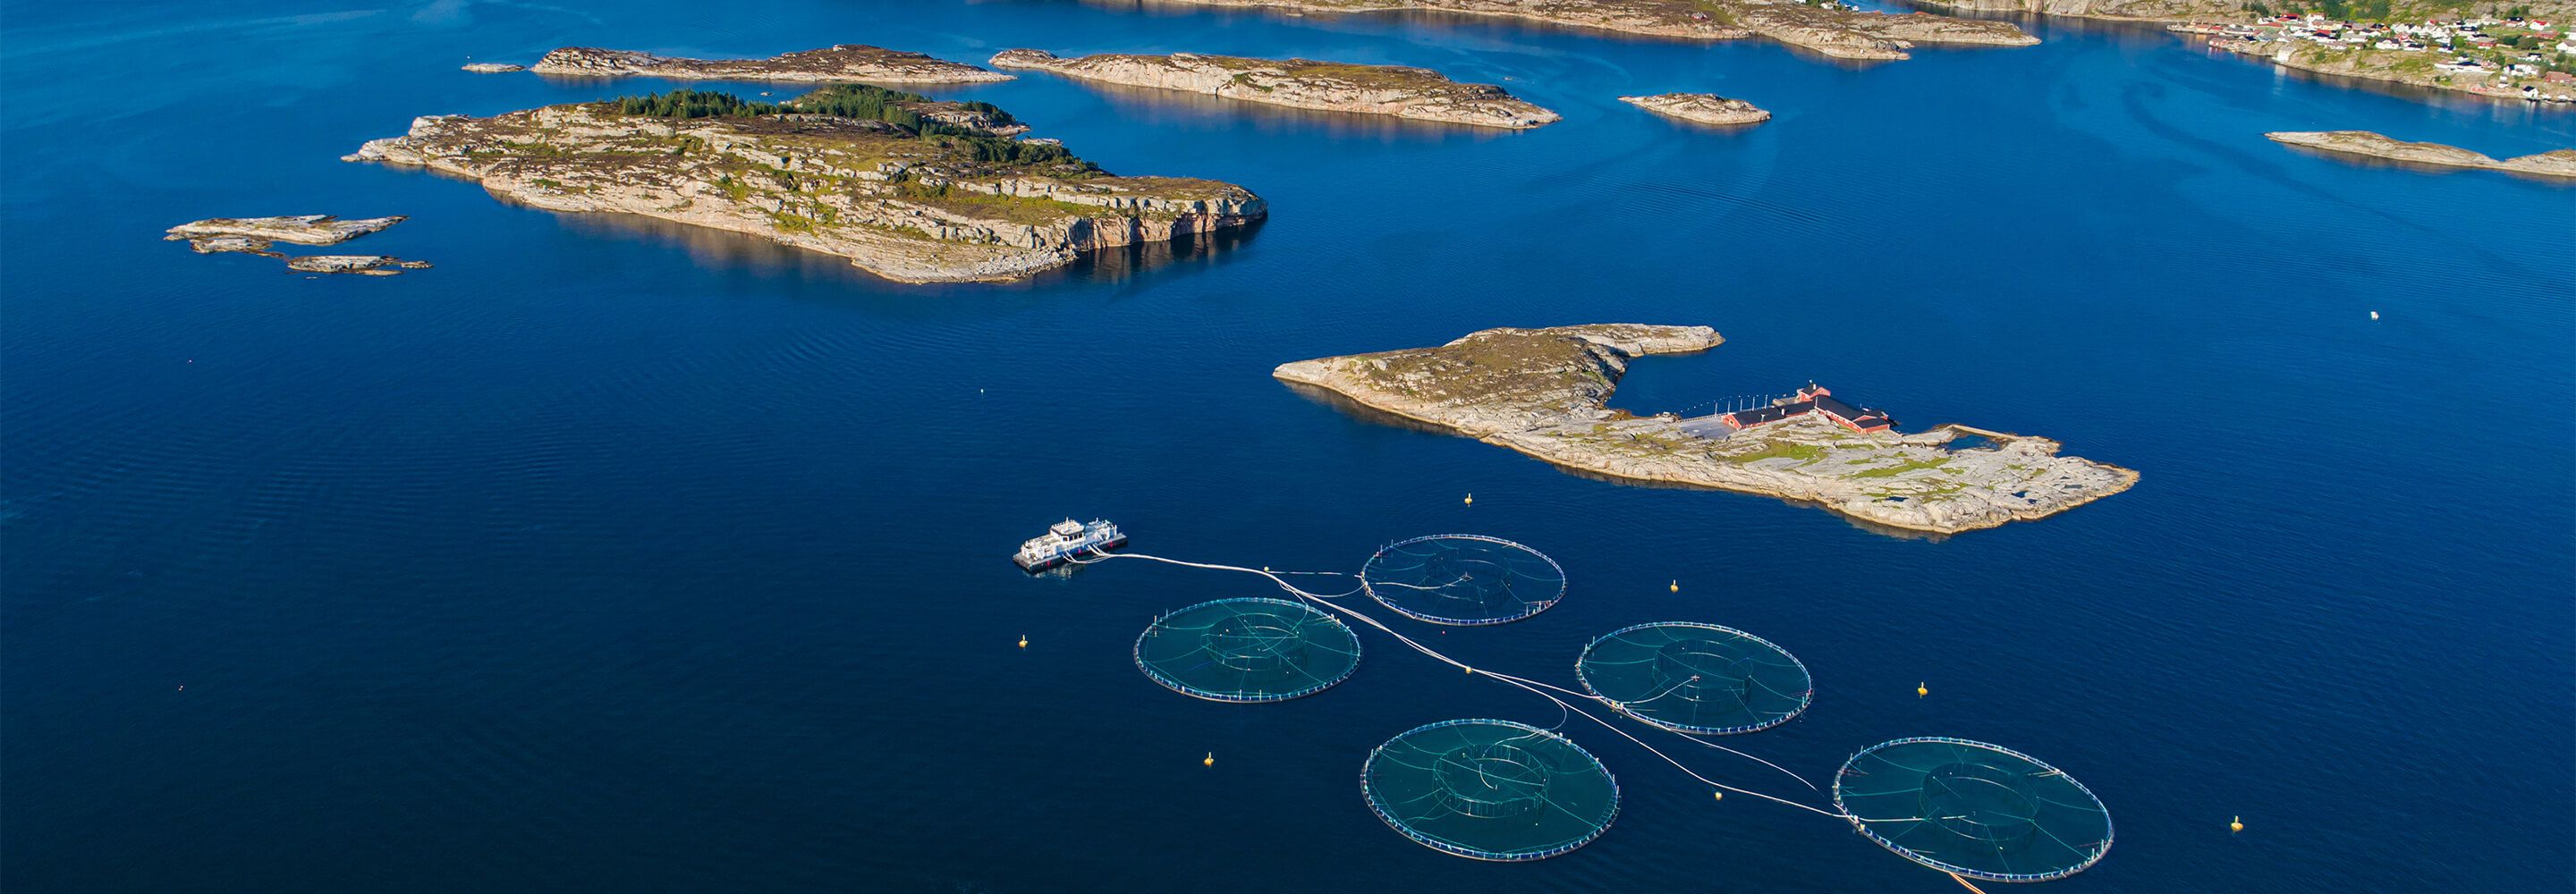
(2387, 66)
(1704, 108)
(912, 202)
(841, 62)
(1837, 33)
(2103, 10)
(249, 245)
(363, 265)
(493, 67)
(306, 229)
(1545, 393)
(2557, 163)
(1403, 92)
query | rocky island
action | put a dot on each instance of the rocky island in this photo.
(254, 235)
(488, 68)
(1417, 93)
(844, 62)
(1827, 28)
(364, 265)
(2556, 163)
(907, 188)
(1545, 393)
(1705, 108)
(216, 234)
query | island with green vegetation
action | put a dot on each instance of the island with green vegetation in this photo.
(2555, 163)
(2506, 49)
(1404, 92)
(1828, 27)
(1545, 393)
(844, 62)
(907, 188)
(1702, 108)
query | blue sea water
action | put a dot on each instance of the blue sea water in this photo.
(616, 556)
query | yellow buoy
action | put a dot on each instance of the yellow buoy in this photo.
(1677, 586)
(1721, 796)
(1471, 499)
(1209, 761)
(1921, 690)
(1024, 640)
(1466, 668)
(2235, 824)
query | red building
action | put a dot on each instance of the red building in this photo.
(1813, 399)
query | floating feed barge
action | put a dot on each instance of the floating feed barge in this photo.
(1065, 540)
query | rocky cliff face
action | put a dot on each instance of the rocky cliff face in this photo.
(1417, 93)
(1840, 33)
(2150, 10)
(906, 206)
(2558, 163)
(844, 62)
(1705, 108)
(1544, 392)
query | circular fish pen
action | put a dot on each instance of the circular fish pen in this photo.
(1695, 678)
(1490, 790)
(1248, 650)
(1463, 580)
(1977, 810)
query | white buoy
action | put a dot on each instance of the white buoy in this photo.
(2374, 315)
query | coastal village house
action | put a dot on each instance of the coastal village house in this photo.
(1812, 399)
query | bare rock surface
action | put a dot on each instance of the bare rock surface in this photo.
(365, 265)
(1404, 92)
(908, 202)
(252, 245)
(1704, 108)
(844, 62)
(2555, 163)
(308, 229)
(1545, 393)
(493, 67)
(1831, 31)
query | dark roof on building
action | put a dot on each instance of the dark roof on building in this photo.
(1856, 416)
(1763, 415)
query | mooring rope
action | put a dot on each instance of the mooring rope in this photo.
(1532, 686)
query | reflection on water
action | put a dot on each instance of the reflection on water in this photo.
(727, 250)
(1364, 412)
(2373, 161)
(1121, 263)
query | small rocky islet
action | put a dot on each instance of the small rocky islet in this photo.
(260, 232)
(1702, 108)
(1545, 393)
(906, 187)
(839, 63)
(1829, 30)
(256, 235)
(2555, 163)
(1400, 91)
(364, 265)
